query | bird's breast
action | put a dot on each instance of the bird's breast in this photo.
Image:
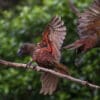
(44, 58)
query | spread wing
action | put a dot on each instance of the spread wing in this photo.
(89, 21)
(54, 35)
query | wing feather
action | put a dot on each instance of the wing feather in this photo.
(55, 34)
(89, 21)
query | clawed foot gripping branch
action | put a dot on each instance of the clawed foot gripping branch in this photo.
(39, 69)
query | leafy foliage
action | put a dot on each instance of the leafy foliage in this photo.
(25, 23)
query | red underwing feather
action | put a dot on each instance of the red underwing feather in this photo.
(54, 34)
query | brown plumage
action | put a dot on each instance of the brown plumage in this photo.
(47, 53)
(88, 28)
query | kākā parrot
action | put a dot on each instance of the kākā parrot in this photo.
(47, 53)
(88, 28)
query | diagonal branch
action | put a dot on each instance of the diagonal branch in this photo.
(38, 68)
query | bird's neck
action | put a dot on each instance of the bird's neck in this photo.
(31, 48)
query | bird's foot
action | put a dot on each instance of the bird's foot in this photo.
(28, 65)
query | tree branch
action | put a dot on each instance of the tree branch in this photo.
(38, 68)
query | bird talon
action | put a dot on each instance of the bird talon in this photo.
(28, 65)
(34, 67)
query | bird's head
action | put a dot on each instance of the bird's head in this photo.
(26, 49)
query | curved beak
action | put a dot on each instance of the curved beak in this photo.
(19, 53)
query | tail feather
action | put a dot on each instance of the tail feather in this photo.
(45, 83)
(49, 83)
(54, 85)
(74, 45)
(83, 45)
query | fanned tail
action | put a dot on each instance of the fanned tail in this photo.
(50, 81)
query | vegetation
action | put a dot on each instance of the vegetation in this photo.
(25, 22)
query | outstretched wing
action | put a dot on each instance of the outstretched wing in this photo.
(89, 21)
(54, 35)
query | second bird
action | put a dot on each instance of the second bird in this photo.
(88, 28)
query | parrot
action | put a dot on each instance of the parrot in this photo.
(47, 53)
(88, 28)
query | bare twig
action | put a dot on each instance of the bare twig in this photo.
(38, 68)
(73, 8)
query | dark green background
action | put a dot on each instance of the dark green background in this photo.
(24, 21)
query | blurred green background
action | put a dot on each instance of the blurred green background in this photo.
(24, 21)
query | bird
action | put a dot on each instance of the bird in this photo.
(47, 53)
(88, 28)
